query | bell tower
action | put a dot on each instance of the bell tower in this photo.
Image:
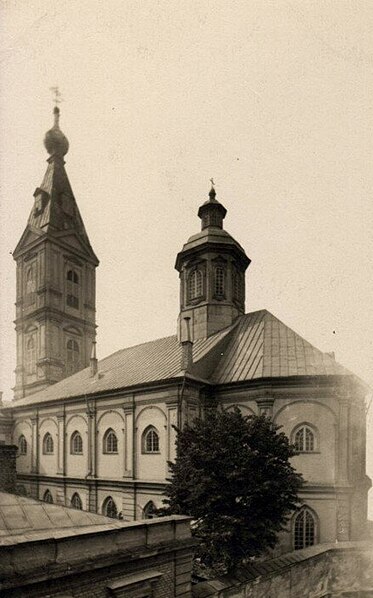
(55, 306)
(211, 267)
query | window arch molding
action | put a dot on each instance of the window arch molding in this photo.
(76, 501)
(305, 438)
(22, 445)
(109, 508)
(305, 528)
(150, 440)
(110, 442)
(48, 444)
(76, 443)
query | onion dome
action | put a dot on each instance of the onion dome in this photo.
(55, 141)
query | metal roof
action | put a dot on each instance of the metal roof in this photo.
(20, 515)
(257, 345)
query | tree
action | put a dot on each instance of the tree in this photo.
(233, 476)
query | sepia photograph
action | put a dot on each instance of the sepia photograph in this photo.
(186, 283)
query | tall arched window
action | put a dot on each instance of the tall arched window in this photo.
(30, 296)
(76, 501)
(22, 445)
(304, 529)
(150, 510)
(219, 281)
(237, 285)
(31, 355)
(76, 444)
(304, 439)
(195, 285)
(72, 356)
(110, 443)
(150, 440)
(48, 497)
(48, 445)
(109, 508)
(72, 295)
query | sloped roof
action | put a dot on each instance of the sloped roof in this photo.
(21, 515)
(257, 345)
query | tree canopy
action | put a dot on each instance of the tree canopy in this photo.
(232, 474)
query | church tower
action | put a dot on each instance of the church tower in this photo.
(212, 269)
(55, 306)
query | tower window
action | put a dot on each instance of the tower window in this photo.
(76, 501)
(110, 444)
(150, 440)
(22, 445)
(30, 286)
(219, 282)
(304, 529)
(72, 295)
(304, 439)
(48, 444)
(237, 285)
(109, 508)
(48, 497)
(195, 285)
(76, 444)
(72, 356)
(31, 355)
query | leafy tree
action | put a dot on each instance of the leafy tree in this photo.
(233, 476)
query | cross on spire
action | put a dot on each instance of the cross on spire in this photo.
(57, 95)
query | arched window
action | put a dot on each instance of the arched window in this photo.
(30, 286)
(109, 508)
(195, 285)
(48, 497)
(304, 529)
(72, 295)
(31, 355)
(237, 285)
(72, 356)
(48, 445)
(76, 444)
(150, 510)
(110, 444)
(76, 501)
(304, 439)
(22, 445)
(150, 440)
(219, 281)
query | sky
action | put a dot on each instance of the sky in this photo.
(271, 98)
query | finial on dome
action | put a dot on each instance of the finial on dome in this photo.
(56, 143)
(212, 193)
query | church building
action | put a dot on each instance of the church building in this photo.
(97, 435)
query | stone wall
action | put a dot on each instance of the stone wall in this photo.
(149, 558)
(8, 472)
(344, 570)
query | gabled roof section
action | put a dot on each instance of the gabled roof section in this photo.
(257, 346)
(261, 346)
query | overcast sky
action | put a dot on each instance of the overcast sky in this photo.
(272, 98)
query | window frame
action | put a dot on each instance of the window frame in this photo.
(305, 427)
(72, 356)
(75, 497)
(195, 285)
(73, 449)
(72, 288)
(144, 441)
(305, 512)
(105, 446)
(109, 500)
(22, 445)
(30, 354)
(47, 448)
